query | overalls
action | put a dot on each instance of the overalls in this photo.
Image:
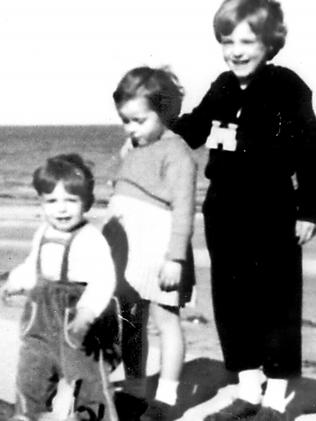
(48, 352)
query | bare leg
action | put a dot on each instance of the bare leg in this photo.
(172, 351)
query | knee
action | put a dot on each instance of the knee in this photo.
(167, 319)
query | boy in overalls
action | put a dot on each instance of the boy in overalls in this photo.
(70, 279)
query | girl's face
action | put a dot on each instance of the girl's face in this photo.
(244, 52)
(62, 210)
(141, 123)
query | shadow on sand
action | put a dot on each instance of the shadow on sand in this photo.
(202, 378)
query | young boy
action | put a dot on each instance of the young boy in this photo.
(258, 123)
(69, 277)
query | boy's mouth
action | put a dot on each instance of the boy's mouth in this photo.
(240, 62)
(63, 219)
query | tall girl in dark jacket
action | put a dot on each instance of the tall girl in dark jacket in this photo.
(258, 123)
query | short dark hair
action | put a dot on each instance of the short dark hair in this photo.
(265, 18)
(72, 171)
(159, 86)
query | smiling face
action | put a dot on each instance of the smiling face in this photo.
(62, 210)
(141, 123)
(244, 52)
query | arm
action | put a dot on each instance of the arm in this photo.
(97, 270)
(195, 127)
(306, 168)
(181, 175)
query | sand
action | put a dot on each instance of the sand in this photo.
(204, 372)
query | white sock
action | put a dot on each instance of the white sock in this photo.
(167, 391)
(249, 388)
(274, 396)
(63, 402)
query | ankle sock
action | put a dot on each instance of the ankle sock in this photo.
(167, 391)
(274, 396)
(249, 388)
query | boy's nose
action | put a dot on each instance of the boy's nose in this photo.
(62, 207)
(237, 50)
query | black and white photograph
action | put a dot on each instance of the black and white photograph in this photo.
(157, 210)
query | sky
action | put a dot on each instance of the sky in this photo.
(62, 59)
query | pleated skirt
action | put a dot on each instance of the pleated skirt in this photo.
(148, 231)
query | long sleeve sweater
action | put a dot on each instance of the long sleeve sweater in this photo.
(163, 173)
(276, 138)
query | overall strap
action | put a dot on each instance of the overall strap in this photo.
(65, 261)
(64, 242)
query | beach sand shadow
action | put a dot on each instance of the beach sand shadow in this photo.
(202, 377)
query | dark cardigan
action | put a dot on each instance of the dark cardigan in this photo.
(276, 138)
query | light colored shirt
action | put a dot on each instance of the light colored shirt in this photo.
(89, 261)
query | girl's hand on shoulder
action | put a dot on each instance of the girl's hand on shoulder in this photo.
(170, 275)
(304, 231)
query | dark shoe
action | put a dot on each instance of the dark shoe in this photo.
(129, 407)
(238, 410)
(269, 414)
(158, 411)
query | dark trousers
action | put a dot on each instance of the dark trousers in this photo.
(256, 269)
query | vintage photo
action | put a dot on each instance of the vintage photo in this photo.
(157, 210)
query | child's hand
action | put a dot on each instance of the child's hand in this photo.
(170, 275)
(82, 320)
(7, 291)
(304, 231)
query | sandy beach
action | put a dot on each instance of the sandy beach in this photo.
(204, 367)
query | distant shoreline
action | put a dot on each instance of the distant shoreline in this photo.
(24, 148)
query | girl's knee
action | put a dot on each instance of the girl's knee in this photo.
(165, 317)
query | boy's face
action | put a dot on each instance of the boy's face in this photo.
(244, 52)
(62, 210)
(141, 123)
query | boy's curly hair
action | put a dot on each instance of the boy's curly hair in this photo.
(265, 18)
(72, 171)
(160, 86)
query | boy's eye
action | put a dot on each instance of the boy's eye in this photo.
(226, 41)
(248, 41)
